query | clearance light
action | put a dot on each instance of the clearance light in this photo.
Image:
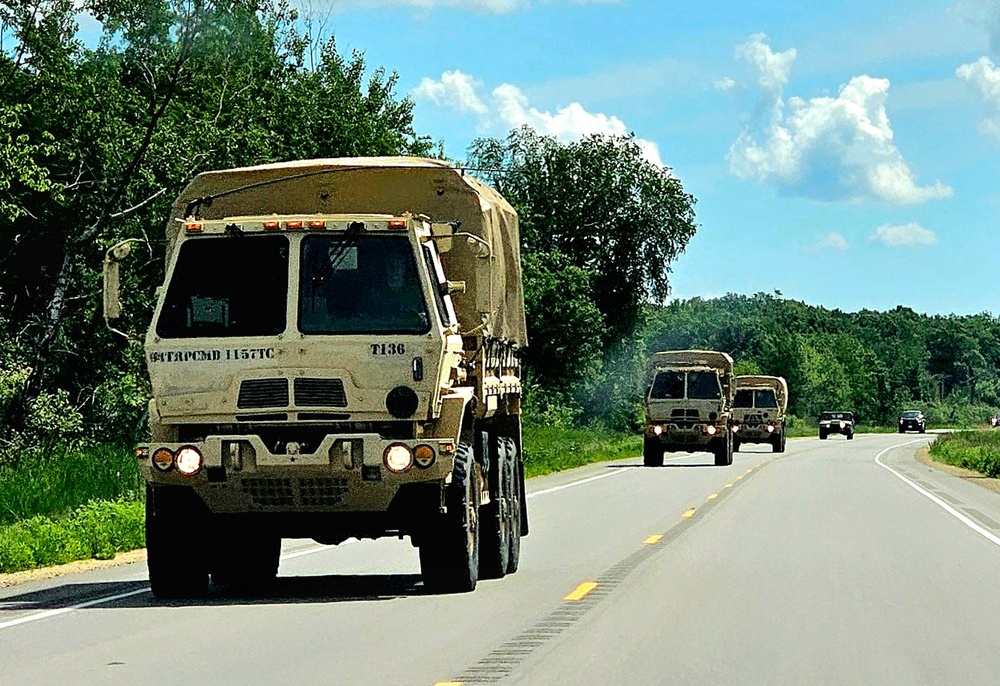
(192, 227)
(317, 224)
(294, 225)
(711, 430)
(448, 448)
(398, 458)
(424, 456)
(188, 460)
(397, 224)
(141, 453)
(271, 226)
(163, 459)
(657, 430)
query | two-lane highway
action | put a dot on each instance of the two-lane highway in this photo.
(821, 565)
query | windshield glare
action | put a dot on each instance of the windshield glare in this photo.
(765, 399)
(227, 287)
(703, 386)
(365, 284)
(668, 386)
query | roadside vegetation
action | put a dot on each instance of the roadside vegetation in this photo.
(177, 89)
(975, 450)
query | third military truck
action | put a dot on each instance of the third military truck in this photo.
(334, 354)
(759, 409)
(689, 396)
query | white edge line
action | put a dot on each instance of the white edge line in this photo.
(46, 614)
(988, 535)
(290, 556)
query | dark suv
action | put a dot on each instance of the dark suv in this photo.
(912, 420)
(836, 423)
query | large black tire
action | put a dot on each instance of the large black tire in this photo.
(652, 452)
(778, 442)
(175, 547)
(495, 517)
(850, 435)
(736, 444)
(902, 430)
(923, 429)
(449, 550)
(514, 556)
(724, 451)
(822, 435)
(245, 556)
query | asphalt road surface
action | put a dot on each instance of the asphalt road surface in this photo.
(836, 563)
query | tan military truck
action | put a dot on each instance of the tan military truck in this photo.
(689, 395)
(759, 409)
(334, 354)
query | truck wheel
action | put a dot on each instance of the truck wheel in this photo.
(902, 430)
(724, 452)
(822, 435)
(175, 552)
(495, 517)
(514, 555)
(784, 441)
(247, 557)
(736, 445)
(652, 452)
(923, 429)
(850, 435)
(778, 443)
(449, 550)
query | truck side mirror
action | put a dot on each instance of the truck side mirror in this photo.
(112, 260)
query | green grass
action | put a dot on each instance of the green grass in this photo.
(554, 448)
(975, 450)
(99, 529)
(59, 483)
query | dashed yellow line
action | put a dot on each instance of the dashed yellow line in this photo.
(713, 496)
(729, 485)
(581, 591)
(688, 514)
(739, 478)
(653, 540)
(448, 683)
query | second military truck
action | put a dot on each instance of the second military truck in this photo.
(759, 409)
(689, 396)
(334, 354)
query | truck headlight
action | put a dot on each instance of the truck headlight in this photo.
(657, 430)
(842, 425)
(736, 428)
(424, 456)
(163, 459)
(398, 458)
(711, 430)
(770, 428)
(188, 460)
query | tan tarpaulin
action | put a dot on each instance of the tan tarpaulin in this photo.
(385, 185)
(775, 383)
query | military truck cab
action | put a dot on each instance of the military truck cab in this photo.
(759, 408)
(340, 363)
(688, 405)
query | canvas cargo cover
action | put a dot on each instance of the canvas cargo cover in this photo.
(691, 358)
(385, 185)
(776, 383)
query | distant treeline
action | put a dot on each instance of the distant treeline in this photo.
(873, 363)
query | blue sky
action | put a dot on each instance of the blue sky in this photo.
(846, 153)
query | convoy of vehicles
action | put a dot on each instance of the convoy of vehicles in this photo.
(836, 423)
(334, 354)
(912, 420)
(688, 403)
(759, 408)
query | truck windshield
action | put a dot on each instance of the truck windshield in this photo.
(765, 399)
(668, 386)
(744, 398)
(703, 386)
(227, 287)
(363, 284)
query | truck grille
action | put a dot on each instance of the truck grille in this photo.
(680, 414)
(320, 393)
(289, 493)
(256, 393)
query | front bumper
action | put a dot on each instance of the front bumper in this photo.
(677, 435)
(911, 426)
(836, 429)
(345, 474)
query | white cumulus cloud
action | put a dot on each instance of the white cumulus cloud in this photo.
(984, 76)
(725, 84)
(832, 241)
(826, 148)
(455, 90)
(903, 235)
(510, 107)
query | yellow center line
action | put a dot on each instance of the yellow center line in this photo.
(729, 485)
(581, 591)
(688, 514)
(448, 683)
(749, 470)
(713, 496)
(653, 540)
(739, 478)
